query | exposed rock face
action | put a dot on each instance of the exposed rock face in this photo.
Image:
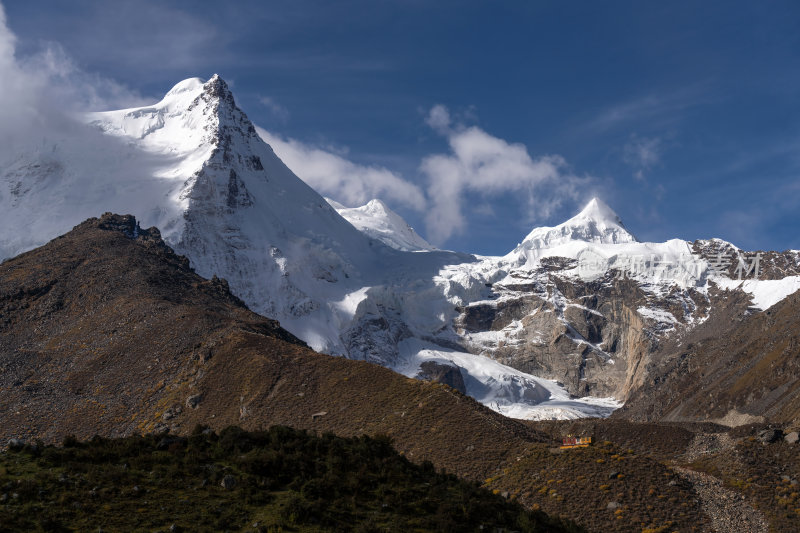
(736, 263)
(441, 373)
(588, 336)
(618, 333)
(739, 367)
(768, 436)
(228, 482)
(194, 400)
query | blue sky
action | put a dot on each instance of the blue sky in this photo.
(479, 120)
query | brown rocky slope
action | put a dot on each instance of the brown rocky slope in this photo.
(735, 369)
(106, 331)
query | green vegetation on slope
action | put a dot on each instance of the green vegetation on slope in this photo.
(277, 480)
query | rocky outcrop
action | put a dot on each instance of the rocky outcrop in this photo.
(739, 367)
(737, 263)
(588, 336)
(442, 373)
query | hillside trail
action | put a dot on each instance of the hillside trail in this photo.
(729, 511)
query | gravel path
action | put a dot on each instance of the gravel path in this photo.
(705, 443)
(729, 511)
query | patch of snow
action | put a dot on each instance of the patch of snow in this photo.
(764, 292)
(659, 315)
(596, 223)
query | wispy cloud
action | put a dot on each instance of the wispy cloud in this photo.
(349, 183)
(41, 92)
(659, 110)
(439, 119)
(478, 164)
(482, 164)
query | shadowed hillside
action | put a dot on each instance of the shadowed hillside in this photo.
(277, 480)
(106, 331)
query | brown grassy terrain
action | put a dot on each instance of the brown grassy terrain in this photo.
(767, 474)
(605, 488)
(663, 442)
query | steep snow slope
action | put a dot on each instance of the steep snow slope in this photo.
(376, 220)
(193, 165)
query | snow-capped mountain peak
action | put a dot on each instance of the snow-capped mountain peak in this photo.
(376, 220)
(193, 165)
(600, 213)
(597, 223)
(188, 85)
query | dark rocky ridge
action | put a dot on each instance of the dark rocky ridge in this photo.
(441, 373)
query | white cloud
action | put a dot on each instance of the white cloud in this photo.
(645, 107)
(346, 182)
(482, 164)
(642, 153)
(17, 100)
(41, 92)
(439, 119)
(77, 90)
(478, 164)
